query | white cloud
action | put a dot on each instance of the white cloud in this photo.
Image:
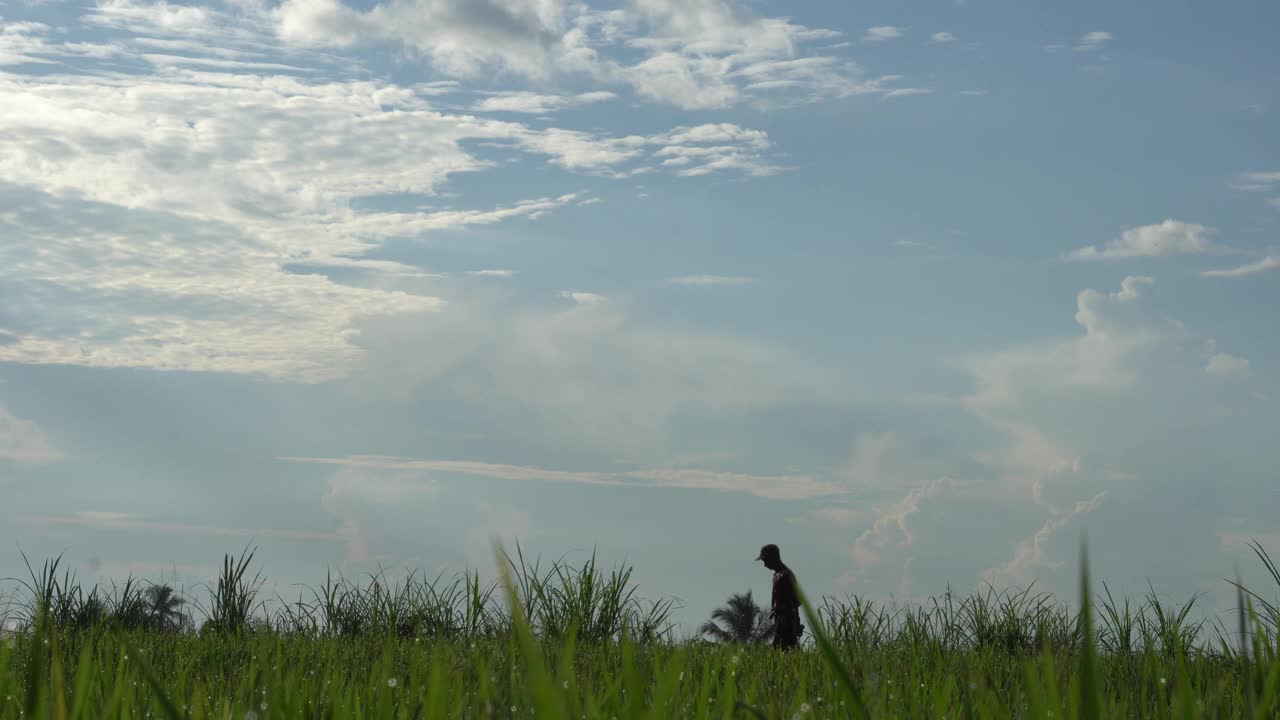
(868, 467)
(23, 42)
(1030, 553)
(913, 244)
(942, 38)
(583, 298)
(1223, 365)
(881, 33)
(534, 103)
(1270, 263)
(890, 523)
(110, 520)
(353, 486)
(1257, 181)
(776, 487)
(558, 373)
(831, 516)
(1171, 237)
(230, 198)
(1093, 40)
(1130, 287)
(695, 54)
(710, 280)
(459, 37)
(494, 273)
(1118, 332)
(25, 442)
(906, 92)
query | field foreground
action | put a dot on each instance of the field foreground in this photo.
(1009, 655)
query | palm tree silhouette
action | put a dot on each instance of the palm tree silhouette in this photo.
(739, 620)
(164, 607)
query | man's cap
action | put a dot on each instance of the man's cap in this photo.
(769, 550)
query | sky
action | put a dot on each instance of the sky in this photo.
(923, 292)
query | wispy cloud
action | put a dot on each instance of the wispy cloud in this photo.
(890, 525)
(906, 92)
(834, 516)
(111, 520)
(776, 487)
(1117, 336)
(914, 244)
(583, 298)
(1257, 181)
(492, 273)
(942, 38)
(1171, 237)
(25, 442)
(534, 103)
(710, 280)
(255, 212)
(1031, 553)
(881, 33)
(1093, 41)
(1224, 365)
(1270, 263)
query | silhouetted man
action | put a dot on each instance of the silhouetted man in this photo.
(786, 603)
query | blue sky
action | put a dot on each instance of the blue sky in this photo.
(922, 292)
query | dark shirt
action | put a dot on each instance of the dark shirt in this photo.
(784, 592)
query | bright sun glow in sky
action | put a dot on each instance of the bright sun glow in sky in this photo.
(923, 292)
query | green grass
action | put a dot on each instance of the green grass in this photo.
(575, 642)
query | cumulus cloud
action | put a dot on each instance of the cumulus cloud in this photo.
(1171, 237)
(1224, 365)
(459, 37)
(230, 202)
(25, 442)
(1270, 263)
(694, 54)
(1118, 333)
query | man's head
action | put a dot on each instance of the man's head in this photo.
(771, 557)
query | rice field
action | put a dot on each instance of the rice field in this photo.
(577, 642)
